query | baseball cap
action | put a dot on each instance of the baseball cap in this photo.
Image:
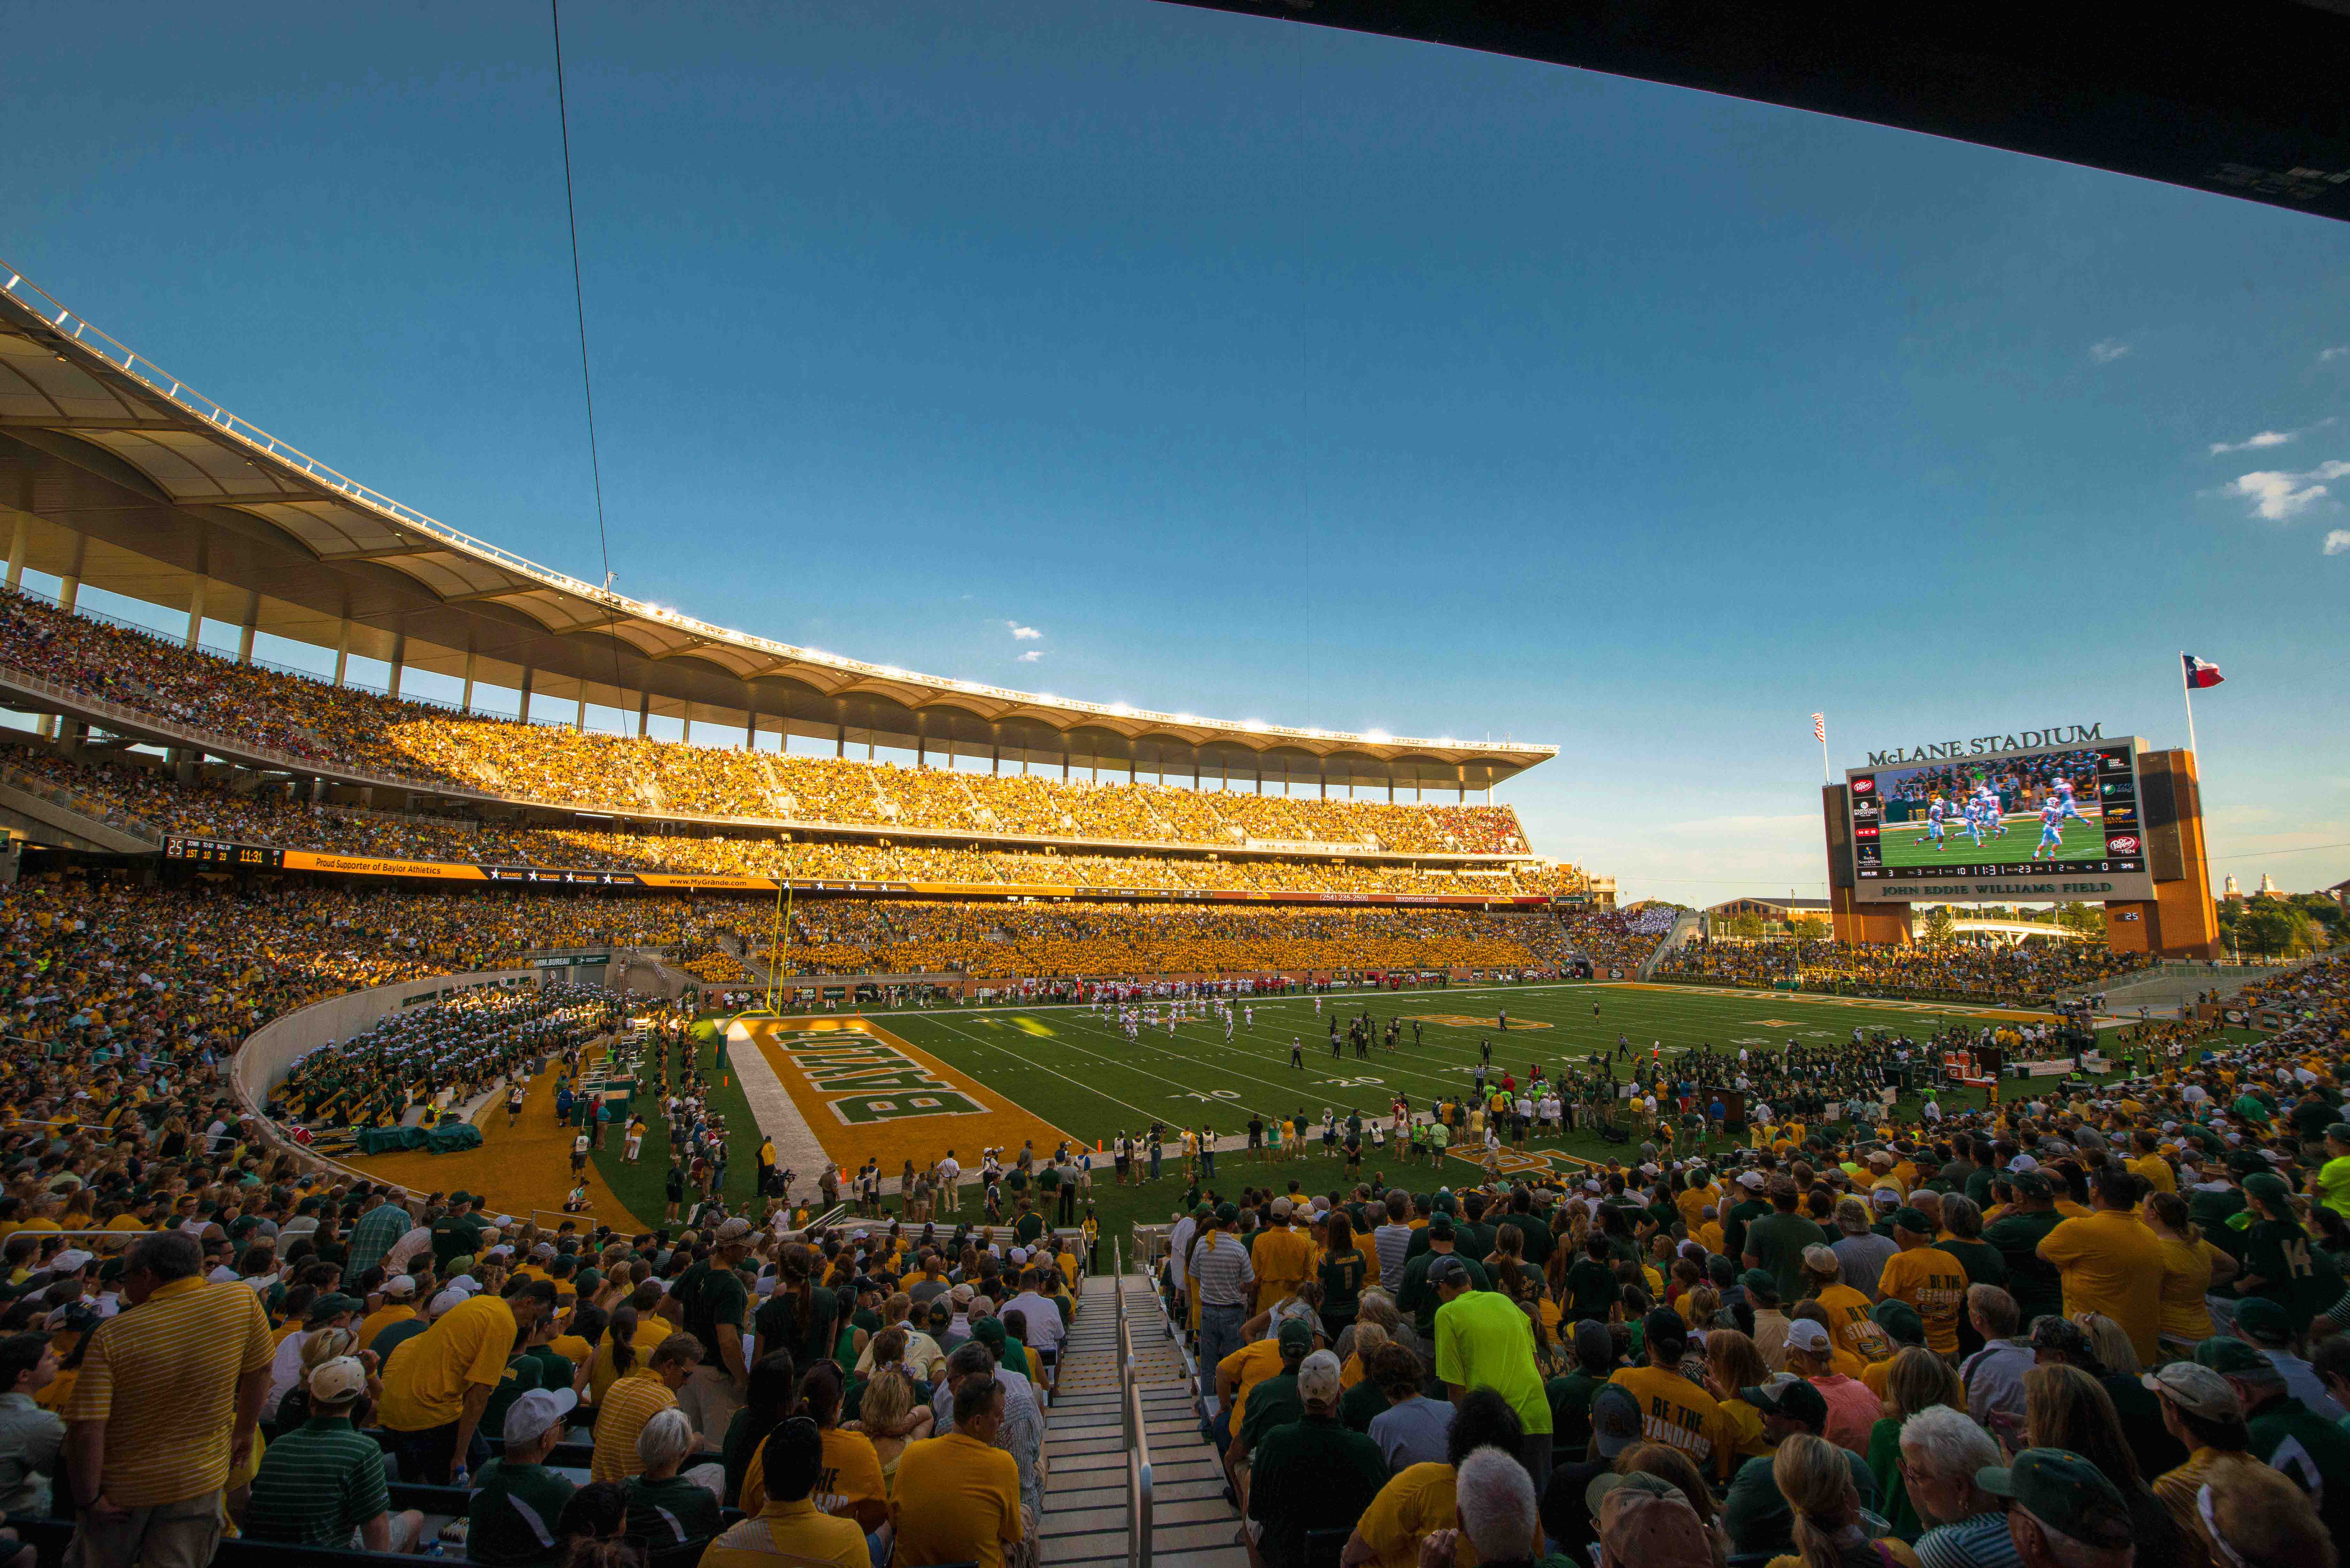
(2264, 1322)
(1439, 1227)
(334, 1381)
(400, 1287)
(2063, 1491)
(1317, 1379)
(1793, 1398)
(1884, 1198)
(2032, 1184)
(326, 1307)
(1654, 1531)
(1281, 1208)
(534, 1412)
(1297, 1333)
(1806, 1335)
(446, 1301)
(2231, 1357)
(1615, 1420)
(1913, 1221)
(1761, 1281)
(1448, 1271)
(2021, 1163)
(1228, 1213)
(1593, 1341)
(67, 1262)
(733, 1230)
(1820, 1260)
(1750, 1180)
(2196, 1389)
(1645, 1483)
(2268, 1186)
(1900, 1320)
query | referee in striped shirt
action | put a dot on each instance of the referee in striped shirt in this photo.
(1219, 1265)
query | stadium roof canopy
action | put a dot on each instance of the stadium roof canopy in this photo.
(2246, 101)
(117, 475)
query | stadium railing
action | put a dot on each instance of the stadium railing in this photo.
(1138, 1436)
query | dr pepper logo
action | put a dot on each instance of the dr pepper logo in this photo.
(2122, 844)
(1862, 786)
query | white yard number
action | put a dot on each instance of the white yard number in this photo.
(1353, 1083)
(1210, 1095)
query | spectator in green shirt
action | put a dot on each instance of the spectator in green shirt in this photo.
(1775, 1242)
(517, 1500)
(323, 1484)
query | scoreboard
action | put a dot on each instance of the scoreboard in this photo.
(2046, 825)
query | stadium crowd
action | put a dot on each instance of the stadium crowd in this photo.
(2029, 973)
(2098, 1325)
(849, 935)
(116, 786)
(552, 764)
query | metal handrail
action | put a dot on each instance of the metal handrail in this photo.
(1138, 1434)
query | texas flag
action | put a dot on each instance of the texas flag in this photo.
(2201, 673)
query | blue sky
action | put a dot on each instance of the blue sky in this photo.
(1269, 371)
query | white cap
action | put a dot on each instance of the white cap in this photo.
(400, 1287)
(67, 1262)
(2023, 1162)
(1750, 1179)
(335, 1381)
(1317, 1377)
(446, 1301)
(465, 1285)
(532, 1414)
(1805, 1334)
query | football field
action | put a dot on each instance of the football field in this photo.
(1078, 1071)
(1908, 844)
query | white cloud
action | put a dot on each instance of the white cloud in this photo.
(2280, 497)
(1023, 633)
(2106, 350)
(2338, 541)
(2266, 438)
(1031, 655)
(2339, 351)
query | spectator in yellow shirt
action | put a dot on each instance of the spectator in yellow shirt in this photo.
(1929, 1280)
(2111, 1263)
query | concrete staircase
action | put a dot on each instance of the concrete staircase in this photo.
(1087, 1497)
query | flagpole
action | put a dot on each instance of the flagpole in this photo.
(2186, 693)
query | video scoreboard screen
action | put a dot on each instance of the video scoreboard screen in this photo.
(2057, 823)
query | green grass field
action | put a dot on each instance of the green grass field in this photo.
(1908, 844)
(1080, 1073)
(639, 1186)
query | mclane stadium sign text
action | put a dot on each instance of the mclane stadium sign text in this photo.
(1985, 745)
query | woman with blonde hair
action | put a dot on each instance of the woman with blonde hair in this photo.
(1919, 1380)
(1812, 1476)
(2112, 1343)
(891, 1421)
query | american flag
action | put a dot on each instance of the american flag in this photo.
(1820, 728)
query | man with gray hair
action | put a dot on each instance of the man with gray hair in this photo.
(1311, 1474)
(1942, 1451)
(1495, 1498)
(1859, 1250)
(187, 1371)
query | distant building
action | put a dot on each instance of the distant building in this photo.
(1787, 910)
(2268, 888)
(2230, 892)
